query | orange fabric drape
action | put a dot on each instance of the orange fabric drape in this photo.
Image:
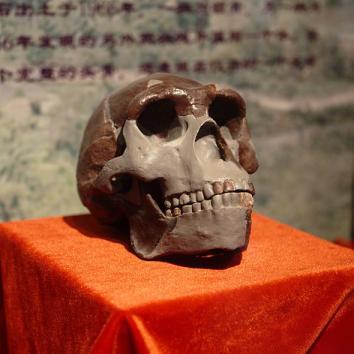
(70, 285)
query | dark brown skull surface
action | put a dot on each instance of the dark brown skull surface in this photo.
(174, 157)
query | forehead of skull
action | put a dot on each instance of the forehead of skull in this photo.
(129, 101)
(120, 100)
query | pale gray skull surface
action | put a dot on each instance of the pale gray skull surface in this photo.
(174, 157)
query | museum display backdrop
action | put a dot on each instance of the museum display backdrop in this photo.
(292, 62)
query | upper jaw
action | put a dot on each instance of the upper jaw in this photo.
(212, 196)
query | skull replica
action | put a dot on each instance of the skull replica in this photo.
(174, 157)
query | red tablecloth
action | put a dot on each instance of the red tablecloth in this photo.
(69, 287)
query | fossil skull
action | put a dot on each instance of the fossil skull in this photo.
(174, 157)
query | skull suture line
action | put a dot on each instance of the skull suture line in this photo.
(174, 157)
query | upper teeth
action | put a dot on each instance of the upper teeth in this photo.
(184, 199)
(213, 196)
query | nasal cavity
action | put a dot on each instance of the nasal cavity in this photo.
(208, 145)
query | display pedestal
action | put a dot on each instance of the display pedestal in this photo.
(69, 287)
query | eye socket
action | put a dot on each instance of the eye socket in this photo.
(121, 183)
(160, 118)
(224, 109)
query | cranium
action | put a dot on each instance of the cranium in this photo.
(174, 157)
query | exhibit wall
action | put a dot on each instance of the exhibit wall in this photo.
(292, 61)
